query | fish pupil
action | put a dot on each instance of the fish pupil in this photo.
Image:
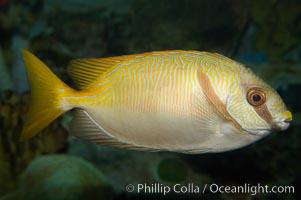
(256, 97)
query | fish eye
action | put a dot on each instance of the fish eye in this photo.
(256, 97)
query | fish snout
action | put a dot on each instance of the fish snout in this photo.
(284, 122)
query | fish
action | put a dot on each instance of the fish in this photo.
(182, 101)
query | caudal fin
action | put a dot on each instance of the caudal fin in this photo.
(47, 91)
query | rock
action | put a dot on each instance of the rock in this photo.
(58, 177)
(124, 167)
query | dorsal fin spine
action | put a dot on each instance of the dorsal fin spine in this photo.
(87, 71)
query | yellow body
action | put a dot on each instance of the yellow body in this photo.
(185, 101)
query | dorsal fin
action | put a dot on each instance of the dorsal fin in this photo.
(86, 71)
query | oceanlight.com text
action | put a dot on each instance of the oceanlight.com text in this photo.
(251, 189)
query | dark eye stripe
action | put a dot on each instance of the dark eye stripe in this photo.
(257, 98)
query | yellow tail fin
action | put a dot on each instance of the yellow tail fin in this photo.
(46, 92)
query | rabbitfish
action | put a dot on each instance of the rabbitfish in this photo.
(183, 101)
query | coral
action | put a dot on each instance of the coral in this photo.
(58, 177)
(16, 155)
(124, 166)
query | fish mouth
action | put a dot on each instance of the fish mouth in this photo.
(282, 125)
(279, 125)
(283, 122)
(260, 131)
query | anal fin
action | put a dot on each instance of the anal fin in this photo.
(84, 127)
